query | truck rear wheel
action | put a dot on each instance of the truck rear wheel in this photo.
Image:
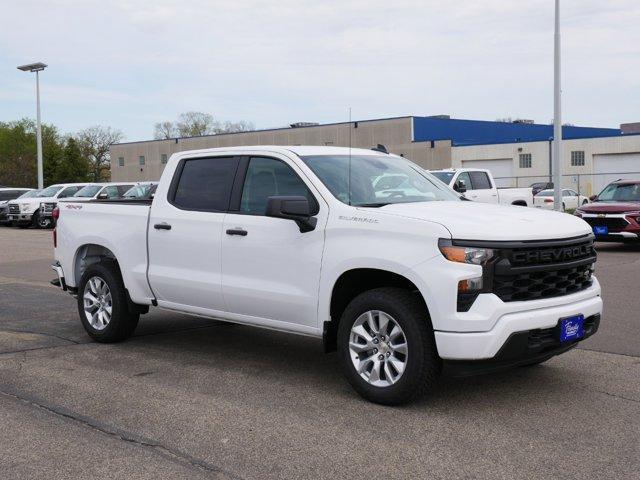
(103, 306)
(386, 346)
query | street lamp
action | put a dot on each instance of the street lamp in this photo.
(37, 67)
(557, 120)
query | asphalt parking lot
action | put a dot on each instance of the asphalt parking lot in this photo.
(194, 398)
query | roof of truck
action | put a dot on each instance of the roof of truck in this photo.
(302, 150)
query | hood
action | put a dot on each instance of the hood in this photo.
(610, 207)
(482, 221)
(34, 200)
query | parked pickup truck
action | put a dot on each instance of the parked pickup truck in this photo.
(298, 239)
(25, 212)
(478, 185)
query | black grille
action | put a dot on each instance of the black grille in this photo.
(543, 270)
(547, 338)
(14, 209)
(613, 223)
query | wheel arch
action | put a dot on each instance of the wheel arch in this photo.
(92, 253)
(352, 283)
(89, 254)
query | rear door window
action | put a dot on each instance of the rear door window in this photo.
(204, 184)
(480, 180)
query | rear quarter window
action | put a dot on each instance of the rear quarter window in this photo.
(204, 184)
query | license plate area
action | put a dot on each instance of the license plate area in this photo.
(601, 230)
(571, 328)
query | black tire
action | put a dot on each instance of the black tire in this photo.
(123, 320)
(423, 365)
(584, 202)
(35, 220)
(45, 223)
(564, 207)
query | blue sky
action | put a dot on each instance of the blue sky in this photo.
(129, 64)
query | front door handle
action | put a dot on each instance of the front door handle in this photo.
(162, 226)
(237, 231)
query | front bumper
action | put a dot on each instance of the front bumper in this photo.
(20, 217)
(487, 345)
(522, 348)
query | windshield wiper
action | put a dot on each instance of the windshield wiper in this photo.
(373, 205)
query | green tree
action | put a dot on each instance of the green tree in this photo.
(73, 167)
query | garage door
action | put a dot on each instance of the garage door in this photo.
(501, 169)
(612, 167)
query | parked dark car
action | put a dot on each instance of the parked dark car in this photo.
(539, 186)
(614, 213)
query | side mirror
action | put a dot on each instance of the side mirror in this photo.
(593, 198)
(460, 186)
(103, 196)
(292, 208)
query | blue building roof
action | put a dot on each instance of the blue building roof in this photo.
(480, 132)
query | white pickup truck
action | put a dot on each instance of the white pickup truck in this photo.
(479, 185)
(299, 239)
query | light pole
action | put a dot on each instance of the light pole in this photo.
(557, 114)
(37, 67)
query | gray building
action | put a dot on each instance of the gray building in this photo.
(519, 148)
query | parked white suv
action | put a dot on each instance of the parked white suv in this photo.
(478, 185)
(25, 212)
(298, 239)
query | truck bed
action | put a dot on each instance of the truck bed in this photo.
(119, 226)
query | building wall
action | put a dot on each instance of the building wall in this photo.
(574, 176)
(395, 134)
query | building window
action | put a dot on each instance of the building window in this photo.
(577, 158)
(525, 160)
(141, 159)
(121, 161)
(163, 158)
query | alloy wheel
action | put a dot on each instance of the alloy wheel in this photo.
(378, 348)
(98, 303)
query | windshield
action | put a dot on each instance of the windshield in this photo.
(620, 193)
(50, 191)
(29, 194)
(444, 176)
(139, 191)
(376, 180)
(88, 191)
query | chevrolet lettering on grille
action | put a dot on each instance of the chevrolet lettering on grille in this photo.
(554, 255)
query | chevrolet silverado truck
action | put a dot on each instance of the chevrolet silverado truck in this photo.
(479, 185)
(298, 239)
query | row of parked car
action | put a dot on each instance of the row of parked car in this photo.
(26, 207)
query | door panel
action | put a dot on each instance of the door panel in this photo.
(272, 272)
(185, 229)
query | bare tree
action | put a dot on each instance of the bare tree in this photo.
(193, 124)
(233, 127)
(94, 143)
(165, 130)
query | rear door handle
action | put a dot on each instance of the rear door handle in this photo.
(162, 226)
(237, 231)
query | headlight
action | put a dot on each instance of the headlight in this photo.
(471, 255)
(25, 207)
(578, 213)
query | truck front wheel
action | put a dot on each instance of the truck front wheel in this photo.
(102, 304)
(386, 346)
